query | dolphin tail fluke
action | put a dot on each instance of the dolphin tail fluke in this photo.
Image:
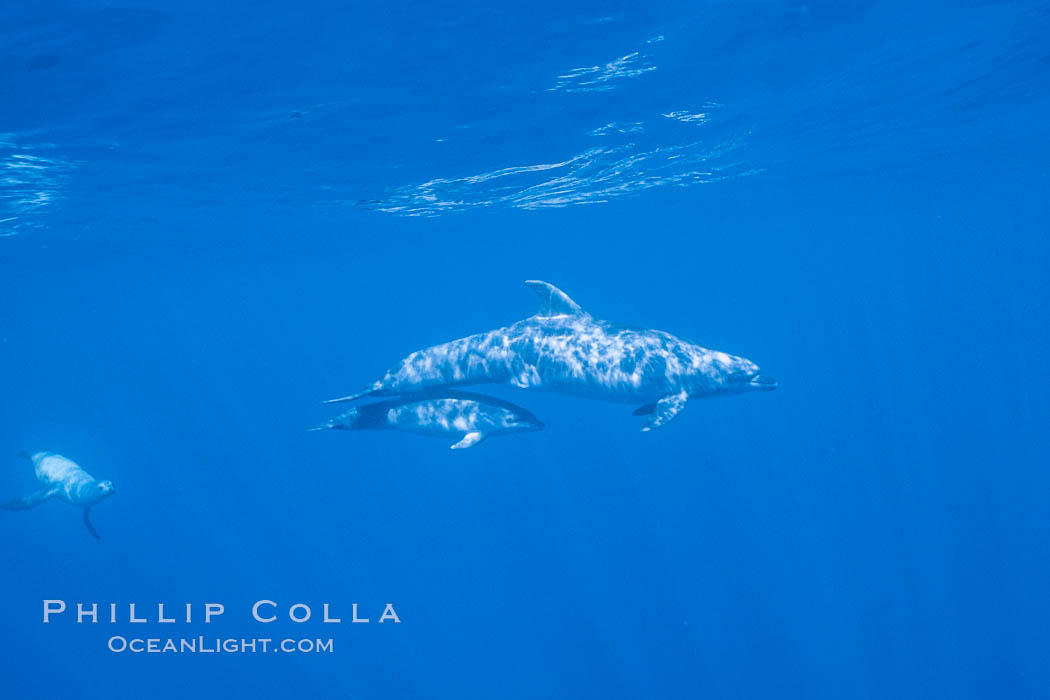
(350, 420)
(352, 397)
(32, 500)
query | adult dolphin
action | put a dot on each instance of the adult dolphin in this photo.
(563, 349)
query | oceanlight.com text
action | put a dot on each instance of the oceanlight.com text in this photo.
(218, 645)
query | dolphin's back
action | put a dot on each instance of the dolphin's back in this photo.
(379, 410)
(52, 468)
(55, 470)
(582, 356)
(476, 359)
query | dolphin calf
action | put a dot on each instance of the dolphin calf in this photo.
(472, 416)
(564, 349)
(63, 478)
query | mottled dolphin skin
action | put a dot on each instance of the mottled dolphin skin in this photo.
(63, 478)
(563, 349)
(472, 416)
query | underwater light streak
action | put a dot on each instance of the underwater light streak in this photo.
(28, 184)
(599, 78)
(594, 176)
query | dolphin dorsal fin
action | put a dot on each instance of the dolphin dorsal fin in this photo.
(553, 301)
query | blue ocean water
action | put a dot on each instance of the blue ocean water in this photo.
(213, 217)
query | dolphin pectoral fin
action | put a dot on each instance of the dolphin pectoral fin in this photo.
(644, 410)
(87, 523)
(553, 301)
(469, 440)
(32, 500)
(526, 378)
(666, 409)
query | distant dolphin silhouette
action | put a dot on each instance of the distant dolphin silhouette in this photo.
(472, 416)
(65, 479)
(563, 349)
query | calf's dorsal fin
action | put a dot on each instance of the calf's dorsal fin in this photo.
(553, 301)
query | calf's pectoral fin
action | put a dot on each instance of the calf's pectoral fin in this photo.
(644, 410)
(469, 440)
(87, 523)
(666, 409)
(33, 499)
